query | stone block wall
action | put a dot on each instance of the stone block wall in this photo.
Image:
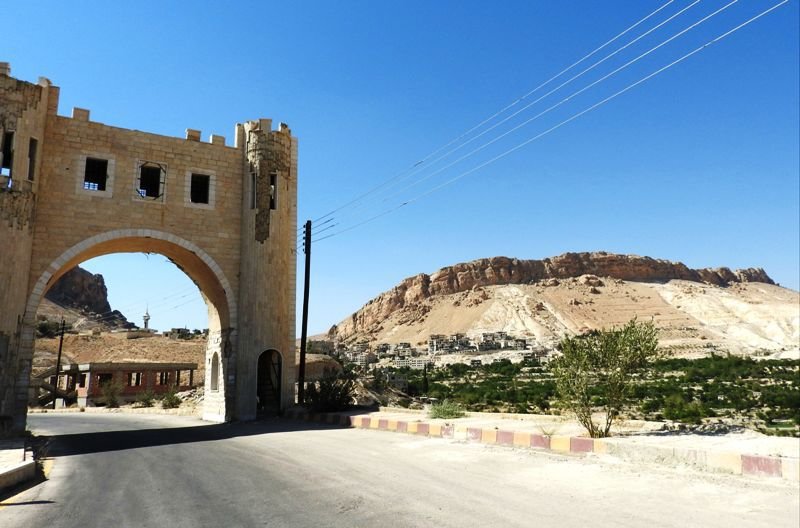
(269, 222)
(229, 241)
(22, 116)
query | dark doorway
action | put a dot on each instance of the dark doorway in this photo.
(268, 393)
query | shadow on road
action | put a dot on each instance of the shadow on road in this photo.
(27, 503)
(99, 442)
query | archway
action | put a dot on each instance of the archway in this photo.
(268, 388)
(198, 266)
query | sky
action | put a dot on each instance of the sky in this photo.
(698, 164)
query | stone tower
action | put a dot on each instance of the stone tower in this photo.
(72, 189)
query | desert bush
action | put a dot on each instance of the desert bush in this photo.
(49, 328)
(446, 409)
(334, 392)
(170, 400)
(110, 390)
(145, 399)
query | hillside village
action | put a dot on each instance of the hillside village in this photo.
(442, 349)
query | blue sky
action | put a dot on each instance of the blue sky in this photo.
(699, 164)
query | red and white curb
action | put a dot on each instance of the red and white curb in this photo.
(717, 461)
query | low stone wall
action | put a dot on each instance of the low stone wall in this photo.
(704, 460)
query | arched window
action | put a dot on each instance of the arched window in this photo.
(215, 372)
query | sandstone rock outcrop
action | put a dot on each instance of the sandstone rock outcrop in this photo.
(504, 270)
(87, 293)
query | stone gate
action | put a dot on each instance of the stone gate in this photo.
(72, 189)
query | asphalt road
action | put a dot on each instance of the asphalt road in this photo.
(118, 470)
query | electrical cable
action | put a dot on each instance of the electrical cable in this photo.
(566, 121)
(499, 112)
(507, 118)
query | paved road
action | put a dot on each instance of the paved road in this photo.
(120, 470)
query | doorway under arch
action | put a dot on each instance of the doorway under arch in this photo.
(268, 391)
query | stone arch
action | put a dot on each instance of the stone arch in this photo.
(195, 262)
(198, 265)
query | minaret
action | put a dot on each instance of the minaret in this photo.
(146, 319)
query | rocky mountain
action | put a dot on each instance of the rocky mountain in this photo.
(702, 309)
(83, 296)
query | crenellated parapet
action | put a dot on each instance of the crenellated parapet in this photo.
(72, 189)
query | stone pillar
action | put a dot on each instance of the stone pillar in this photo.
(268, 259)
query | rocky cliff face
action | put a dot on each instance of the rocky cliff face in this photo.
(413, 291)
(86, 292)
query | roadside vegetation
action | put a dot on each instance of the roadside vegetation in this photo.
(334, 392)
(762, 395)
(110, 391)
(446, 409)
(597, 372)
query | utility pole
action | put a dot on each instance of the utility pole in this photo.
(58, 361)
(301, 378)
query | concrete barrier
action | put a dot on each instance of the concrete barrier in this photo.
(560, 443)
(505, 438)
(761, 466)
(724, 462)
(706, 460)
(581, 445)
(17, 474)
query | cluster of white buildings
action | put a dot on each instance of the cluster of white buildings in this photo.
(402, 354)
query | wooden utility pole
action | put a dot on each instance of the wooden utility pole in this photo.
(58, 361)
(301, 378)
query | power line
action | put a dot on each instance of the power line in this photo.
(566, 121)
(575, 94)
(496, 114)
(568, 98)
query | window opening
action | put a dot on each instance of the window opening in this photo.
(252, 190)
(8, 154)
(82, 380)
(163, 378)
(102, 379)
(33, 145)
(151, 180)
(215, 372)
(134, 379)
(199, 188)
(95, 174)
(273, 189)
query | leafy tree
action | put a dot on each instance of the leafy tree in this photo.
(596, 370)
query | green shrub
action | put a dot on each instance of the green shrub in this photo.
(49, 328)
(334, 392)
(446, 409)
(678, 409)
(170, 400)
(110, 390)
(145, 399)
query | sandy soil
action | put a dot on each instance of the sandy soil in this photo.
(115, 347)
